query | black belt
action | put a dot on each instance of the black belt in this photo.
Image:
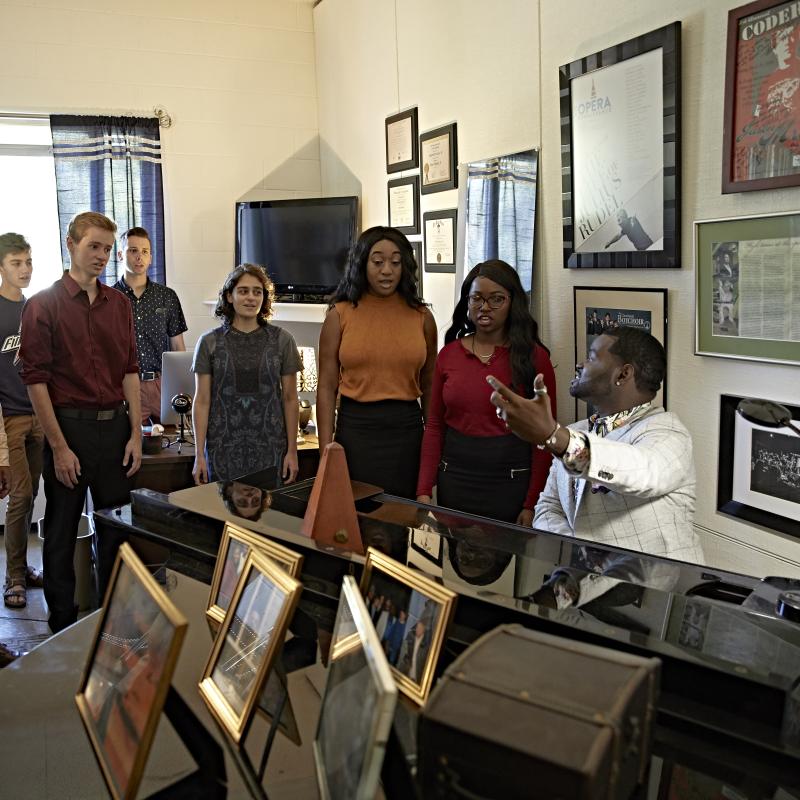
(149, 376)
(97, 414)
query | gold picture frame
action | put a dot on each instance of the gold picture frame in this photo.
(128, 672)
(234, 546)
(410, 613)
(247, 642)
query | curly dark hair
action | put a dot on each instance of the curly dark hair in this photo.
(521, 327)
(224, 309)
(643, 352)
(354, 281)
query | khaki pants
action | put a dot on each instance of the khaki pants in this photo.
(150, 392)
(25, 444)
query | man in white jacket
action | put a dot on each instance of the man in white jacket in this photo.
(625, 477)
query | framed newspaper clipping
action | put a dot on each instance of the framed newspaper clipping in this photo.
(621, 155)
(747, 300)
(761, 135)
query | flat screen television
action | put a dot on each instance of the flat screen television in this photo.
(302, 243)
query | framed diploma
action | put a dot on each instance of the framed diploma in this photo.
(417, 248)
(761, 134)
(401, 141)
(620, 145)
(404, 204)
(440, 240)
(439, 157)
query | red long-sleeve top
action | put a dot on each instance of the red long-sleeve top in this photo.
(460, 400)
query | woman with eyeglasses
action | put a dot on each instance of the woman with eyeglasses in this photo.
(468, 454)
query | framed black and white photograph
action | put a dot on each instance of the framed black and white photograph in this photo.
(404, 204)
(401, 141)
(439, 158)
(599, 310)
(440, 240)
(357, 707)
(620, 144)
(758, 473)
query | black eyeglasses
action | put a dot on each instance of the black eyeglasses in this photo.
(494, 301)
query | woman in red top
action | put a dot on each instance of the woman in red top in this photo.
(476, 465)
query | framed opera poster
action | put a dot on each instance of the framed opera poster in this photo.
(761, 136)
(620, 145)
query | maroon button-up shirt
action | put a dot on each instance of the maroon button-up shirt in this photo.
(81, 351)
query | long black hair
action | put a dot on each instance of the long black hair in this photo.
(521, 328)
(354, 281)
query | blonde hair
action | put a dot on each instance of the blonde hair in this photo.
(81, 223)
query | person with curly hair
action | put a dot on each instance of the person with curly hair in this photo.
(245, 405)
(377, 350)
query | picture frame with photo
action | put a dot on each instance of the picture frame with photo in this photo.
(128, 672)
(358, 705)
(596, 308)
(247, 642)
(745, 304)
(758, 470)
(403, 197)
(760, 144)
(621, 154)
(234, 547)
(440, 228)
(400, 132)
(410, 613)
(438, 155)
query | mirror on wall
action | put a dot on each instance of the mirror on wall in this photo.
(501, 212)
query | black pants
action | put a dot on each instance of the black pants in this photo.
(100, 447)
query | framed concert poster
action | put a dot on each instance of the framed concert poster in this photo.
(746, 300)
(404, 204)
(761, 135)
(401, 141)
(599, 310)
(439, 156)
(757, 473)
(620, 145)
(128, 672)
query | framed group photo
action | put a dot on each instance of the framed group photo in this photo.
(247, 642)
(438, 151)
(404, 204)
(401, 141)
(128, 672)
(597, 310)
(440, 240)
(746, 301)
(761, 137)
(410, 613)
(757, 473)
(620, 144)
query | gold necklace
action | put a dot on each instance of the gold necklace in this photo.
(484, 359)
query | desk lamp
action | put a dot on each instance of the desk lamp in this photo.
(306, 382)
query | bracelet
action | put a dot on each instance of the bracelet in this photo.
(551, 439)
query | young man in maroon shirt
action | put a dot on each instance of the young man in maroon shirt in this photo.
(78, 353)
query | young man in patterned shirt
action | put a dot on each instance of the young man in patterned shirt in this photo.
(157, 317)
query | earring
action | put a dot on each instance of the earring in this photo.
(618, 383)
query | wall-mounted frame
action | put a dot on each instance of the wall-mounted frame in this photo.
(404, 204)
(234, 548)
(757, 478)
(621, 155)
(412, 641)
(248, 640)
(596, 310)
(417, 248)
(401, 141)
(128, 672)
(438, 151)
(761, 134)
(746, 302)
(440, 240)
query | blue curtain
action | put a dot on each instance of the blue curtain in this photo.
(501, 211)
(111, 165)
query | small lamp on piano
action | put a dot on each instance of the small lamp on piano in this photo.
(306, 382)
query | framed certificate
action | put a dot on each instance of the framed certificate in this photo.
(439, 157)
(440, 240)
(404, 204)
(620, 145)
(401, 141)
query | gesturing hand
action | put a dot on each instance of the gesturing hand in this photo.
(531, 420)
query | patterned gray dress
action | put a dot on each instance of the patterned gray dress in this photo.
(246, 430)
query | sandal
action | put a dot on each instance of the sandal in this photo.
(14, 596)
(34, 578)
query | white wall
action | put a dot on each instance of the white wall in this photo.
(493, 68)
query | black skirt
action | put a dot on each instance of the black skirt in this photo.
(485, 475)
(382, 441)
